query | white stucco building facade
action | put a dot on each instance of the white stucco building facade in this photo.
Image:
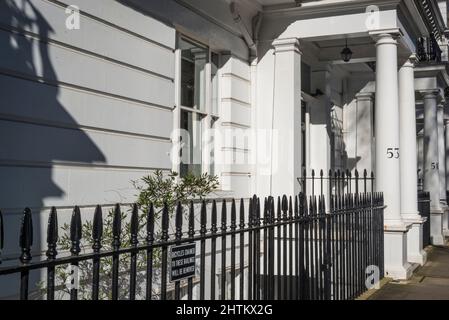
(254, 91)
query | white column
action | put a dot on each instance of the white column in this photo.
(409, 164)
(442, 166)
(441, 154)
(446, 126)
(286, 153)
(320, 124)
(365, 132)
(388, 154)
(431, 172)
(446, 160)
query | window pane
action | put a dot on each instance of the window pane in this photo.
(191, 138)
(193, 75)
(214, 86)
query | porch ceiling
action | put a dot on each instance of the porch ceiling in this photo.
(330, 50)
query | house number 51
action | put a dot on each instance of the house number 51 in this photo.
(435, 166)
(393, 153)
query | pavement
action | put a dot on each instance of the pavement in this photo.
(429, 282)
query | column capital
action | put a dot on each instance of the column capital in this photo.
(410, 62)
(430, 93)
(199, 53)
(365, 96)
(287, 45)
(386, 36)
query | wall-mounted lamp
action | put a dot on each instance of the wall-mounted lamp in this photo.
(346, 54)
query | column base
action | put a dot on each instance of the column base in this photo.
(415, 251)
(396, 264)
(436, 227)
(446, 222)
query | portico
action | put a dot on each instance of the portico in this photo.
(374, 96)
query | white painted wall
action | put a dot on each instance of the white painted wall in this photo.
(85, 112)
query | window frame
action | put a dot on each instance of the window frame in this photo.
(207, 115)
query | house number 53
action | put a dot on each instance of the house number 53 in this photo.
(393, 153)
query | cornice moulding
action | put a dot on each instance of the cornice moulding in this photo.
(331, 7)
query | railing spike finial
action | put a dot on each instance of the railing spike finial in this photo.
(242, 214)
(305, 207)
(290, 207)
(233, 215)
(279, 208)
(254, 206)
(284, 204)
(224, 218)
(250, 212)
(116, 227)
(150, 223)
(134, 225)
(52, 234)
(26, 236)
(75, 231)
(165, 222)
(213, 222)
(296, 206)
(97, 229)
(313, 173)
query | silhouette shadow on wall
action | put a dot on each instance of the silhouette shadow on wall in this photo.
(36, 129)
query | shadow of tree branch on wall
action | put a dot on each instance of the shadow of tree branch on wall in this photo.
(38, 136)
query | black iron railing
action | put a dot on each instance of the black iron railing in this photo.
(337, 182)
(282, 248)
(428, 49)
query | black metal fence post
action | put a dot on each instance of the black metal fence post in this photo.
(75, 238)
(191, 234)
(52, 240)
(178, 238)
(134, 229)
(149, 252)
(164, 255)
(223, 250)
(97, 235)
(213, 253)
